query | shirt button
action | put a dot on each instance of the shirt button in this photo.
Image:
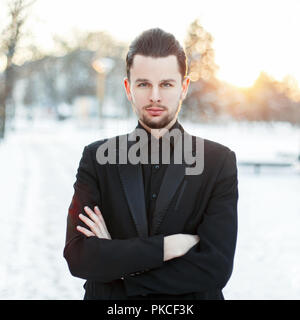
(154, 195)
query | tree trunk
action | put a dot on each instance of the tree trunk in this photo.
(2, 118)
(5, 96)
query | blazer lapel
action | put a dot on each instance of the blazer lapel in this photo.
(132, 181)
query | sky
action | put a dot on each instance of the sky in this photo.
(249, 36)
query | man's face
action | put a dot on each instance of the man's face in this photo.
(156, 90)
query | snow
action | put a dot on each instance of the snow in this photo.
(38, 164)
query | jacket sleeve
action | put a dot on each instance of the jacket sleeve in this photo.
(93, 258)
(207, 265)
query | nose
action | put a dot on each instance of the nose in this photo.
(155, 95)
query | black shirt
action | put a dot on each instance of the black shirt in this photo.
(153, 173)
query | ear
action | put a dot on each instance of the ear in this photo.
(127, 88)
(185, 86)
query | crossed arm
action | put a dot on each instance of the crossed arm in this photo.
(175, 245)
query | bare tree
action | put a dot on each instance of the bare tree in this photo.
(9, 41)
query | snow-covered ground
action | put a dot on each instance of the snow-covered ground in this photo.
(38, 164)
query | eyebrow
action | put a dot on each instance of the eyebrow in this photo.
(146, 80)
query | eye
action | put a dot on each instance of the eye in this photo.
(167, 84)
(143, 84)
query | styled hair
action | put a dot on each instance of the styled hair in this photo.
(156, 43)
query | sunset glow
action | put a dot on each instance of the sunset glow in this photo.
(249, 36)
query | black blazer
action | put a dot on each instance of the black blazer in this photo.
(130, 266)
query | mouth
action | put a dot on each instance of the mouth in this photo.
(155, 111)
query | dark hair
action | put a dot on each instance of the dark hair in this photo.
(156, 43)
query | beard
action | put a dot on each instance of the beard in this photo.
(153, 122)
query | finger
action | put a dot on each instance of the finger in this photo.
(89, 223)
(91, 214)
(85, 231)
(98, 220)
(98, 212)
(97, 227)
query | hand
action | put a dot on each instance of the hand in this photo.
(188, 241)
(177, 245)
(96, 223)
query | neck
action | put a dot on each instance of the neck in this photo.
(157, 133)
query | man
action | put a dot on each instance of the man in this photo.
(139, 230)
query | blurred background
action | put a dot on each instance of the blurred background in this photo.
(62, 66)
